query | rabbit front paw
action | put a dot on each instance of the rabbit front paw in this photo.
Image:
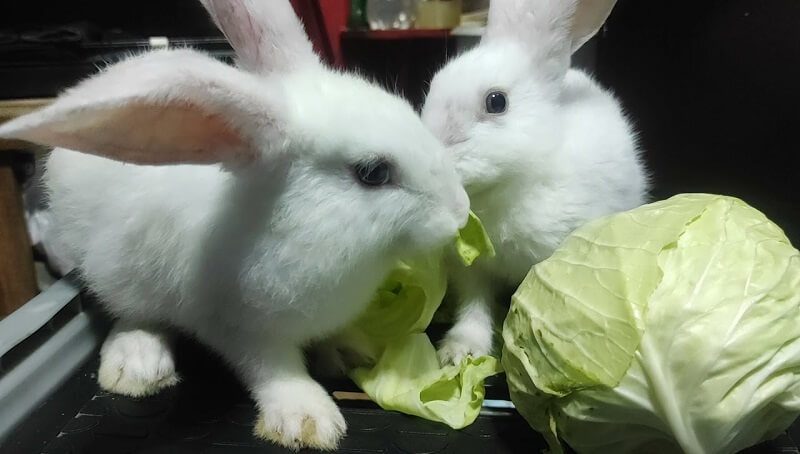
(136, 363)
(458, 345)
(300, 415)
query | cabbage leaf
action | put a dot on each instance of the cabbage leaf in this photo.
(407, 376)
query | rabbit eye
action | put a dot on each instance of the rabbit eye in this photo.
(373, 173)
(496, 103)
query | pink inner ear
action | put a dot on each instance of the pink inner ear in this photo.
(244, 34)
(141, 133)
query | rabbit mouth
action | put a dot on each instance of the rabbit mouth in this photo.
(431, 233)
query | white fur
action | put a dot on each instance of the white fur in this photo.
(269, 245)
(561, 155)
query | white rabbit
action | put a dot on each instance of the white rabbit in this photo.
(257, 209)
(541, 148)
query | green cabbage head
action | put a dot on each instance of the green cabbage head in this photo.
(674, 327)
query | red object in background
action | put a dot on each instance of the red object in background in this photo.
(326, 24)
(336, 13)
(401, 59)
(324, 21)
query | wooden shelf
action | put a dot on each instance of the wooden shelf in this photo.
(14, 108)
(17, 275)
(472, 30)
(469, 30)
(396, 34)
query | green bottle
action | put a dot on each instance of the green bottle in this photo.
(358, 14)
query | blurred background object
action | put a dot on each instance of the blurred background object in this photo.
(438, 14)
(476, 5)
(391, 14)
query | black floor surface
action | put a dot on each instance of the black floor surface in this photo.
(209, 412)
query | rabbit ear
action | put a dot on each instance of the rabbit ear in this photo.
(588, 19)
(163, 108)
(266, 34)
(551, 29)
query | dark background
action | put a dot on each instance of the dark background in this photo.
(713, 89)
(712, 85)
(141, 18)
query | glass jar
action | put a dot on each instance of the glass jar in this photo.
(358, 15)
(391, 14)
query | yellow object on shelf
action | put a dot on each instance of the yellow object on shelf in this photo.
(438, 14)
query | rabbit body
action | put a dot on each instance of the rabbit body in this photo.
(555, 152)
(257, 209)
(194, 247)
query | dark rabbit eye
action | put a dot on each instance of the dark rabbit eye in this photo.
(373, 173)
(496, 102)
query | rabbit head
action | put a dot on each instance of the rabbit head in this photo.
(351, 154)
(496, 106)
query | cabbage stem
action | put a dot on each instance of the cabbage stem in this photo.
(660, 382)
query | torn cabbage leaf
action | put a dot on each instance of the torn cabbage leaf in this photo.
(407, 376)
(674, 327)
(409, 379)
(473, 241)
